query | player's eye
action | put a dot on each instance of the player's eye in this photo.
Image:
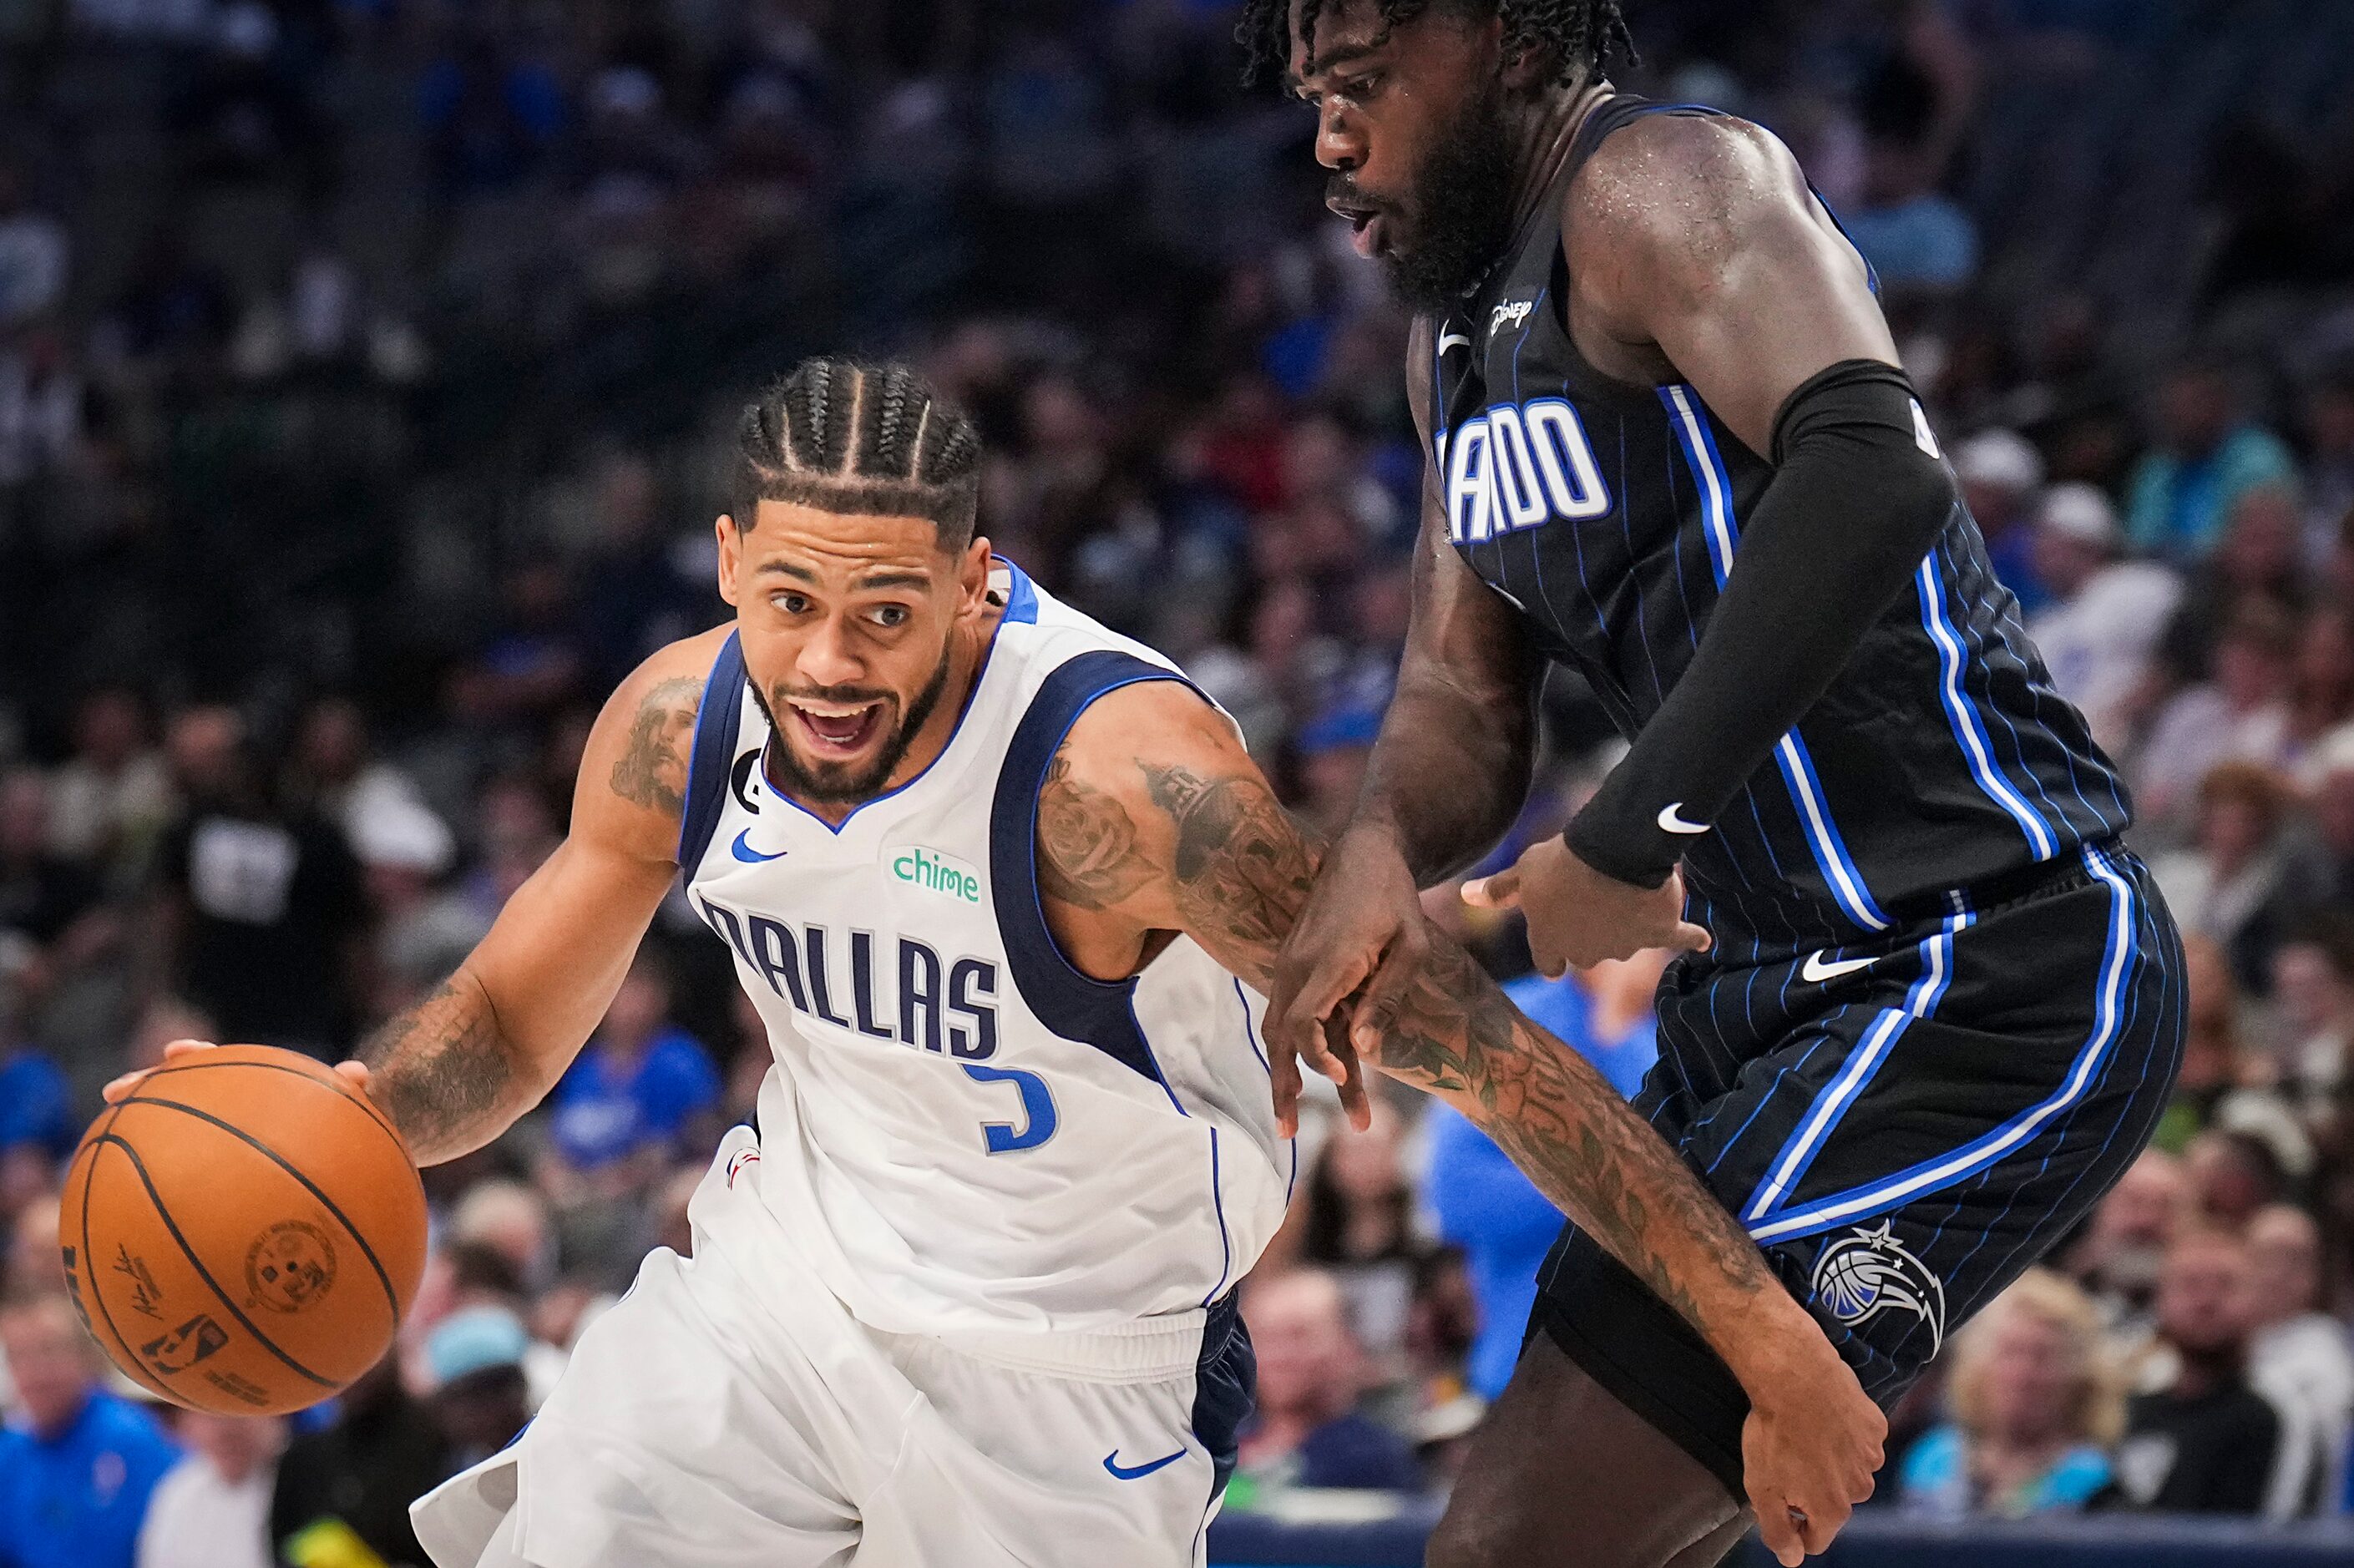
(890, 615)
(792, 603)
(1358, 87)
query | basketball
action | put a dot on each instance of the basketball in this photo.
(244, 1233)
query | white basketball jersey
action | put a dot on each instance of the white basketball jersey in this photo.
(962, 1133)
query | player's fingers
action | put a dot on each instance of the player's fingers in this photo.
(174, 1050)
(354, 1072)
(1688, 937)
(1298, 1021)
(1778, 1530)
(1377, 1009)
(1819, 1523)
(1283, 1074)
(120, 1088)
(1502, 891)
(1350, 1084)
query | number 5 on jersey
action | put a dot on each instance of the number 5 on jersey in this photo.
(1038, 1117)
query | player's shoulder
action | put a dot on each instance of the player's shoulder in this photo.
(638, 753)
(1117, 740)
(1676, 189)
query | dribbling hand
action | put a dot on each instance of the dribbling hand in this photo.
(120, 1089)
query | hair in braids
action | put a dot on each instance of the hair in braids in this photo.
(1582, 34)
(846, 435)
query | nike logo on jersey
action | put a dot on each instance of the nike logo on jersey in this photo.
(747, 854)
(1671, 821)
(1815, 971)
(1448, 340)
(1136, 1472)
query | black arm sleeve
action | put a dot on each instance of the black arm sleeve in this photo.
(1859, 494)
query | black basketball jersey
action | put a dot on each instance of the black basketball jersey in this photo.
(1610, 515)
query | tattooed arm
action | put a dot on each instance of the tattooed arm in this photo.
(457, 1069)
(1153, 819)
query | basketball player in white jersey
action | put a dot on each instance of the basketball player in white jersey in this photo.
(1006, 891)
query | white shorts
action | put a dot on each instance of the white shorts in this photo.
(708, 1422)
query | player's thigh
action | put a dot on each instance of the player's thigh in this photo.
(1561, 1474)
(1010, 1467)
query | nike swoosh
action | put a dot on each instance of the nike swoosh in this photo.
(1671, 820)
(1448, 340)
(1130, 1473)
(746, 853)
(1814, 971)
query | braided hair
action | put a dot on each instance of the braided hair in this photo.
(1581, 34)
(845, 435)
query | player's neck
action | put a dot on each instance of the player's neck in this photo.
(1547, 134)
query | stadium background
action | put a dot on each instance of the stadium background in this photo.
(366, 372)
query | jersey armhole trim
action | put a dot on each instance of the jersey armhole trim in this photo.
(1068, 1002)
(716, 723)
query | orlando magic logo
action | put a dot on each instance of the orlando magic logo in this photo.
(1861, 1276)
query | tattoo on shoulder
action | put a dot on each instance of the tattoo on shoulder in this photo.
(1087, 855)
(651, 770)
(1242, 867)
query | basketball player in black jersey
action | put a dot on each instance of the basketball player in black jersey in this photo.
(1928, 1007)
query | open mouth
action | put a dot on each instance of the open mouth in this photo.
(838, 729)
(1367, 227)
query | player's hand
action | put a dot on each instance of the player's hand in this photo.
(120, 1089)
(1578, 915)
(1809, 1447)
(1361, 931)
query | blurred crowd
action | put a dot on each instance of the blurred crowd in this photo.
(366, 368)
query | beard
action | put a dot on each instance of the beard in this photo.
(835, 783)
(1458, 211)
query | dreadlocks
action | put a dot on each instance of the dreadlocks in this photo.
(1582, 34)
(849, 436)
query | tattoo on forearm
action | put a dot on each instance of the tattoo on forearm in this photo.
(652, 769)
(1566, 1128)
(439, 1070)
(1087, 842)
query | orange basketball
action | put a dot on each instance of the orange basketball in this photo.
(244, 1233)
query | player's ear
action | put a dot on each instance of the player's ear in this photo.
(731, 555)
(1527, 68)
(972, 576)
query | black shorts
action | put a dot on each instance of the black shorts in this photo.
(1900, 1136)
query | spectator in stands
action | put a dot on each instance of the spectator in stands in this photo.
(2201, 1441)
(34, 252)
(475, 1359)
(2119, 1259)
(2239, 714)
(2233, 885)
(2302, 1359)
(1356, 1223)
(2233, 1174)
(2313, 996)
(109, 800)
(2001, 473)
(2207, 454)
(1307, 1430)
(355, 1479)
(1918, 238)
(2330, 467)
(261, 910)
(2105, 615)
(643, 1084)
(75, 1481)
(2035, 1403)
(213, 1510)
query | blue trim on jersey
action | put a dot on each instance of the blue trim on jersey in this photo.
(1831, 858)
(1917, 1182)
(717, 720)
(1788, 1167)
(1225, 1242)
(1021, 599)
(1073, 1004)
(1961, 714)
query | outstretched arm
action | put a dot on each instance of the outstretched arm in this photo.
(1154, 816)
(457, 1069)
